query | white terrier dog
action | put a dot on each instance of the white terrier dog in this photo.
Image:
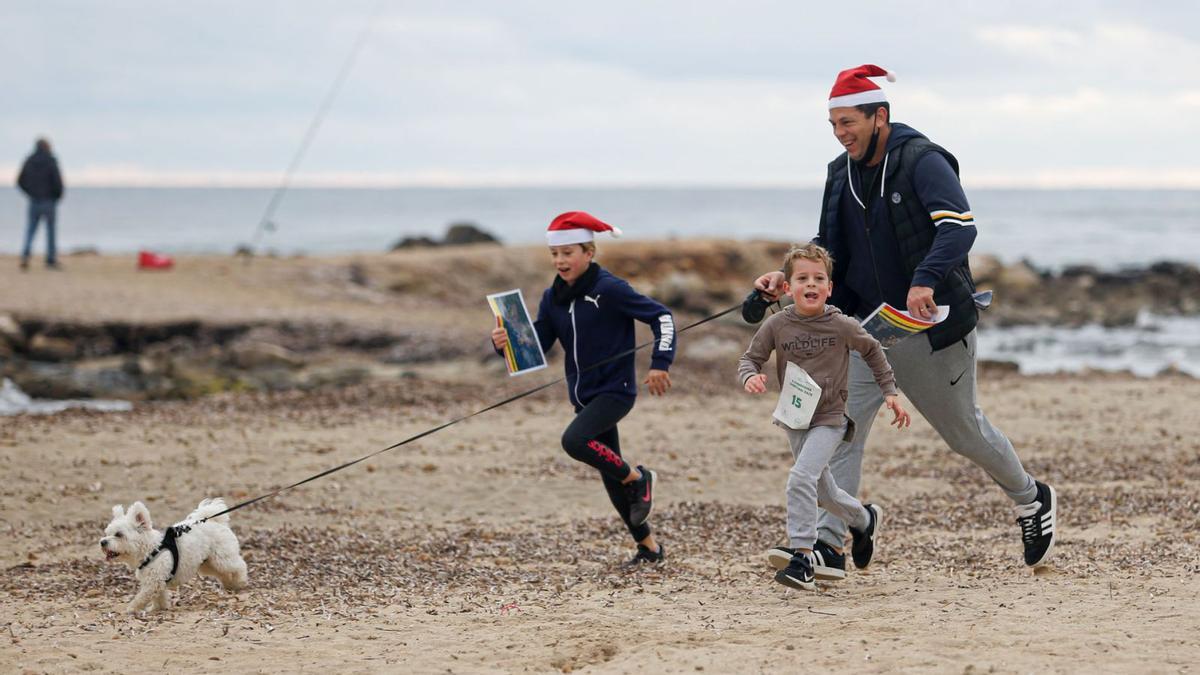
(167, 560)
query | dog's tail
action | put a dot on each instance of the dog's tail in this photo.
(207, 508)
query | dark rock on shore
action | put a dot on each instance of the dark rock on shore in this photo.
(458, 234)
(467, 233)
(1084, 294)
(190, 359)
(415, 242)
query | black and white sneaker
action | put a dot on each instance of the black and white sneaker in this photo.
(780, 557)
(828, 564)
(798, 574)
(1038, 525)
(645, 556)
(863, 546)
(641, 496)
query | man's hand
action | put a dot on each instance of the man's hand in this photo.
(771, 285)
(756, 384)
(658, 382)
(499, 336)
(920, 302)
(900, 417)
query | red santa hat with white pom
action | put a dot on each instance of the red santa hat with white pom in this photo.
(853, 88)
(577, 227)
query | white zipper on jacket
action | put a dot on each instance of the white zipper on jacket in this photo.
(575, 349)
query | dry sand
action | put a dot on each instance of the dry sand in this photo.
(484, 548)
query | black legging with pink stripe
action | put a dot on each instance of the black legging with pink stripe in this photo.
(592, 439)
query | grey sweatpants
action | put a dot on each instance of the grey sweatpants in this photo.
(811, 484)
(941, 386)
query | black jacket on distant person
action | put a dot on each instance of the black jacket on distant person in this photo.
(40, 179)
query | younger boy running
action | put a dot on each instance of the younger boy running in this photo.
(591, 312)
(818, 338)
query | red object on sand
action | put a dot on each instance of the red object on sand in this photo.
(154, 261)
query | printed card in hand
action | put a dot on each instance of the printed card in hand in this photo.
(890, 325)
(798, 398)
(523, 353)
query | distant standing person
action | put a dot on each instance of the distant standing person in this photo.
(896, 220)
(41, 181)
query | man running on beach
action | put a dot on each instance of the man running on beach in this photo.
(896, 220)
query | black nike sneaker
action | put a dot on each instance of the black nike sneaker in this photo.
(798, 574)
(1038, 525)
(863, 546)
(780, 557)
(641, 496)
(828, 564)
(645, 556)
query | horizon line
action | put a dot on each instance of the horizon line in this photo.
(1099, 178)
(1185, 186)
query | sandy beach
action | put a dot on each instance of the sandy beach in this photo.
(484, 548)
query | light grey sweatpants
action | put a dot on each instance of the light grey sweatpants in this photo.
(811, 484)
(941, 386)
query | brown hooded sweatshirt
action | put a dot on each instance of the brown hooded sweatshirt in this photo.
(820, 345)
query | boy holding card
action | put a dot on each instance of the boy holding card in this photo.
(591, 312)
(818, 338)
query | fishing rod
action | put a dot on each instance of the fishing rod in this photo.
(266, 222)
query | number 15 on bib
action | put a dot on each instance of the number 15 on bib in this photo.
(798, 398)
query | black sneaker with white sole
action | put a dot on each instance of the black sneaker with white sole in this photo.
(780, 557)
(828, 564)
(1038, 525)
(798, 574)
(863, 546)
(645, 556)
(641, 496)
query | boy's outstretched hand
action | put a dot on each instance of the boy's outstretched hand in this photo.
(499, 336)
(756, 384)
(901, 418)
(658, 382)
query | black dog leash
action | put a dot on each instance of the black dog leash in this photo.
(451, 423)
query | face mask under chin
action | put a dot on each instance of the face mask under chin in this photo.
(871, 147)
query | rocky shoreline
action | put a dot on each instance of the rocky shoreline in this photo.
(155, 358)
(189, 359)
(1084, 294)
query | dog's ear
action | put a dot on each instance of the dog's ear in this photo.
(118, 511)
(141, 516)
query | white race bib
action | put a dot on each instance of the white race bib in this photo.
(798, 398)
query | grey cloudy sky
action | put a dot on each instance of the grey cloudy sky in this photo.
(466, 93)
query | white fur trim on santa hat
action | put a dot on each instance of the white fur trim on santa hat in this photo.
(860, 98)
(577, 235)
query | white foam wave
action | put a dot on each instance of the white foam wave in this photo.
(13, 401)
(1153, 344)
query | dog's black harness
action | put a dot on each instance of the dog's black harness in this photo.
(168, 543)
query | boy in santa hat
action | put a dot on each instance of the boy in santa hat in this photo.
(591, 312)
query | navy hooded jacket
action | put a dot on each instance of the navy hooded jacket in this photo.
(40, 179)
(874, 264)
(597, 325)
